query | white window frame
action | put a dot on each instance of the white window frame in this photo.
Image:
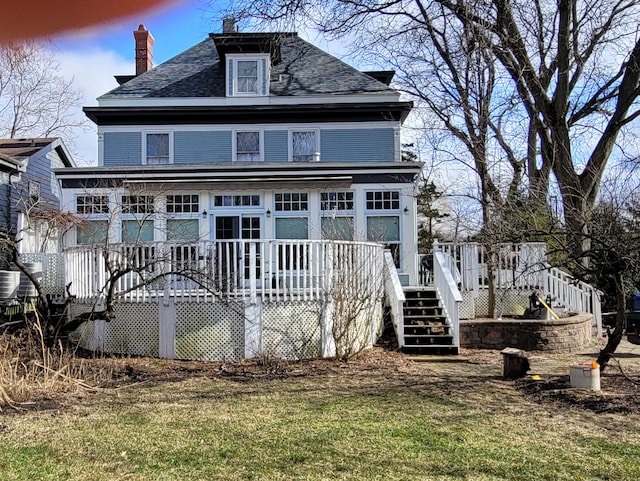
(235, 144)
(189, 214)
(92, 205)
(315, 156)
(390, 192)
(263, 73)
(144, 146)
(336, 201)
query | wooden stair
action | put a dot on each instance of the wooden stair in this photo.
(426, 329)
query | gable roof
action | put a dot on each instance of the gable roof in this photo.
(298, 69)
(20, 150)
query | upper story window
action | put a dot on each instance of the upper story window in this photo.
(247, 75)
(248, 145)
(304, 145)
(157, 148)
(92, 204)
(34, 190)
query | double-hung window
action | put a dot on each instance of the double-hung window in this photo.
(383, 220)
(247, 75)
(292, 222)
(138, 223)
(248, 145)
(304, 145)
(337, 221)
(92, 230)
(158, 148)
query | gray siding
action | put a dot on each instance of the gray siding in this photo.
(348, 145)
(276, 146)
(5, 206)
(122, 148)
(201, 147)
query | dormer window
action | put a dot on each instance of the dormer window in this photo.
(247, 75)
(247, 80)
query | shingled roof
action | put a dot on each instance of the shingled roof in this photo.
(298, 69)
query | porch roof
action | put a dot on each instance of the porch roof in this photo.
(234, 175)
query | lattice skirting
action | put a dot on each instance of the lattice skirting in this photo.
(509, 302)
(292, 330)
(209, 332)
(223, 331)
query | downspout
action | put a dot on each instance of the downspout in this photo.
(12, 172)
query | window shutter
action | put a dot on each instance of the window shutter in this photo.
(264, 81)
(229, 78)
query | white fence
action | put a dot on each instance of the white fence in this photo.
(521, 267)
(294, 270)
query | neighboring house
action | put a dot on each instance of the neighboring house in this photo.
(28, 186)
(248, 136)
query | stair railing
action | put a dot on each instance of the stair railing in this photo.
(449, 293)
(395, 296)
(574, 295)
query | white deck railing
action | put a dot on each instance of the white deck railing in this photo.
(219, 270)
(575, 295)
(522, 266)
(450, 296)
(395, 296)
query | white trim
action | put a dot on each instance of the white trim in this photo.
(234, 141)
(316, 131)
(246, 127)
(145, 133)
(261, 60)
(265, 100)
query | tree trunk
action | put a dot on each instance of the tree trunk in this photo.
(614, 337)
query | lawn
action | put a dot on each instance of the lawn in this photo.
(382, 417)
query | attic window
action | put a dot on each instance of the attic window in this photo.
(247, 75)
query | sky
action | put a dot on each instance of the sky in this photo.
(93, 56)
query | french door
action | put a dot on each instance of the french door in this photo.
(233, 258)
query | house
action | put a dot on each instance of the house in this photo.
(249, 150)
(28, 187)
(250, 136)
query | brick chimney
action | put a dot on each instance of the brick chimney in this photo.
(144, 49)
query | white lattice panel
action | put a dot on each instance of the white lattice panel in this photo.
(468, 306)
(52, 276)
(134, 330)
(291, 330)
(510, 302)
(209, 331)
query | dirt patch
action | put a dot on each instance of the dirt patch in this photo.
(479, 374)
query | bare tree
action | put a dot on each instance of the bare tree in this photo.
(574, 68)
(35, 100)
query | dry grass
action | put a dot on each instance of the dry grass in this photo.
(31, 372)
